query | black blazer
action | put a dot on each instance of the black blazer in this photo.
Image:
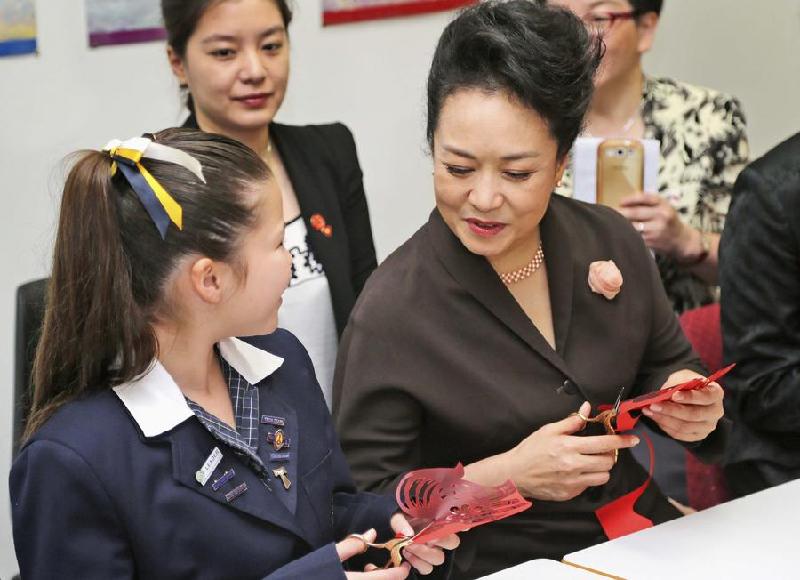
(323, 167)
(439, 364)
(760, 282)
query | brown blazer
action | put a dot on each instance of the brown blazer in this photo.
(439, 364)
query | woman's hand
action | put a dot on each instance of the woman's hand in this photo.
(689, 415)
(423, 557)
(556, 465)
(659, 223)
(350, 547)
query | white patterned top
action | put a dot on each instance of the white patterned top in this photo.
(307, 309)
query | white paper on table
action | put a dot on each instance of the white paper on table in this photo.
(751, 537)
(584, 167)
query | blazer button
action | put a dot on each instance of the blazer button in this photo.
(568, 387)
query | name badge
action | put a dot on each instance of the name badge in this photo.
(223, 479)
(235, 492)
(273, 420)
(204, 473)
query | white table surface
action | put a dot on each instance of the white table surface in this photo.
(542, 570)
(757, 536)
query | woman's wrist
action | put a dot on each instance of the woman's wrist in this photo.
(695, 249)
(493, 470)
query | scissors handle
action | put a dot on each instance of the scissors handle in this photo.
(607, 419)
(394, 546)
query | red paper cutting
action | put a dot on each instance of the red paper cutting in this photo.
(618, 517)
(629, 411)
(442, 502)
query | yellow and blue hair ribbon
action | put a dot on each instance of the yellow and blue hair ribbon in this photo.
(157, 201)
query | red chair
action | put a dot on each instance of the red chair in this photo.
(705, 484)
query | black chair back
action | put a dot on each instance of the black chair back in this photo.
(30, 315)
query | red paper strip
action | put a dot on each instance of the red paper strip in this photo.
(618, 517)
(442, 502)
(628, 413)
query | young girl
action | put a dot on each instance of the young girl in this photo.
(158, 447)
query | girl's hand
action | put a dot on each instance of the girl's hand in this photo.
(350, 547)
(423, 557)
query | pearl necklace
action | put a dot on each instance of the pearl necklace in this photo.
(526, 271)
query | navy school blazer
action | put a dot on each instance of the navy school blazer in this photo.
(97, 494)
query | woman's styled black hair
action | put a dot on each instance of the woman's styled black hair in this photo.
(181, 18)
(541, 55)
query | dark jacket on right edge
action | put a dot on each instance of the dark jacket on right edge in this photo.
(760, 281)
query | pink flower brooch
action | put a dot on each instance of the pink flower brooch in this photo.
(605, 278)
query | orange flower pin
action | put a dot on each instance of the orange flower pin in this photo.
(317, 222)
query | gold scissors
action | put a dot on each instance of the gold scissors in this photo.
(394, 546)
(607, 419)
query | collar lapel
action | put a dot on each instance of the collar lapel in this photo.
(253, 363)
(299, 162)
(154, 401)
(158, 407)
(157, 404)
(560, 272)
(192, 444)
(475, 274)
(274, 405)
(315, 180)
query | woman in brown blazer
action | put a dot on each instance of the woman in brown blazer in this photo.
(479, 339)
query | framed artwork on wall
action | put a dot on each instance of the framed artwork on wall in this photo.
(17, 27)
(124, 21)
(342, 11)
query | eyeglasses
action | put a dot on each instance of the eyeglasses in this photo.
(602, 22)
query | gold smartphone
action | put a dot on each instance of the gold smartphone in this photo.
(620, 170)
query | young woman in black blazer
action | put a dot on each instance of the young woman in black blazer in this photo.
(233, 58)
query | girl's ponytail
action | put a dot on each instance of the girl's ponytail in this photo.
(94, 333)
(115, 252)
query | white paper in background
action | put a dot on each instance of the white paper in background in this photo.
(584, 167)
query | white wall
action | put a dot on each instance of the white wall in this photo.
(750, 49)
(371, 76)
